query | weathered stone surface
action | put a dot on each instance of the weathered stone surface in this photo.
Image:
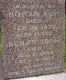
(33, 37)
(1, 70)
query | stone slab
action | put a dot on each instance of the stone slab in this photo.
(33, 37)
(59, 76)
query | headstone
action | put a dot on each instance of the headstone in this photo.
(33, 37)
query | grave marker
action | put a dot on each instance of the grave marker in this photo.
(33, 37)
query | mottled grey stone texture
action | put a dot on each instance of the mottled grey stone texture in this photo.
(33, 37)
(1, 70)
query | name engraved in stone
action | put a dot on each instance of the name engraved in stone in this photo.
(32, 14)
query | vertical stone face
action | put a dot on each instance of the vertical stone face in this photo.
(33, 37)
